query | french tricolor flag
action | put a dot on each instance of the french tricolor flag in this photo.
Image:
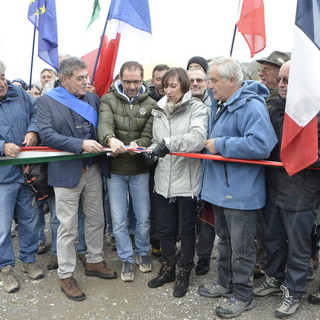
(299, 147)
(129, 31)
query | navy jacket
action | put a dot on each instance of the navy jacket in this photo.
(57, 130)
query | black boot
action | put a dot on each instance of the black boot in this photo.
(182, 283)
(167, 273)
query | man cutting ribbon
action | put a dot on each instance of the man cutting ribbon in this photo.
(67, 119)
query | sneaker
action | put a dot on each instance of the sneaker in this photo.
(214, 290)
(9, 283)
(314, 298)
(202, 267)
(144, 263)
(233, 307)
(71, 289)
(33, 270)
(270, 287)
(53, 262)
(42, 248)
(127, 274)
(288, 306)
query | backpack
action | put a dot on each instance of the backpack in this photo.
(36, 177)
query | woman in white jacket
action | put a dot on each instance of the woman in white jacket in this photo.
(180, 125)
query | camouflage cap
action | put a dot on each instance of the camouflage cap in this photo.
(276, 57)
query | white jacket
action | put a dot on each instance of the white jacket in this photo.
(185, 131)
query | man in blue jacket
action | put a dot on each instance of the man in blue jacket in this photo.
(17, 127)
(239, 127)
(67, 119)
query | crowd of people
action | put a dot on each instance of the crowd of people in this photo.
(153, 202)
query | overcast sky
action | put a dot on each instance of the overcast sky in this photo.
(181, 29)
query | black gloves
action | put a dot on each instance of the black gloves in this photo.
(161, 149)
(150, 158)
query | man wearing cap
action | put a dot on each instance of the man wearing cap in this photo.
(269, 70)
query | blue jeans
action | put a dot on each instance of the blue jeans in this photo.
(288, 244)
(236, 230)
(54, 225)
(138, 187)
(107, 213)
(16, 200)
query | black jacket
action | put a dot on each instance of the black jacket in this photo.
(299, 192)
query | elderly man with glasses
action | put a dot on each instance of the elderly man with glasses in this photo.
(125, 120)
(269, 70)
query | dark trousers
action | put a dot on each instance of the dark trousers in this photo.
(206, 235)
(236, 230)
(176, 216)
(288, 245)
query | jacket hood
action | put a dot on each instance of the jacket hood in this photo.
(119, 89)
(250, 89)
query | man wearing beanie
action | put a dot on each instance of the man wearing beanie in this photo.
(196, 62)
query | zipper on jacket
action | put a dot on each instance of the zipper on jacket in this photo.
(130, 123)
(226, 179)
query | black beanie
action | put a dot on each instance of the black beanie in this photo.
(202, 61)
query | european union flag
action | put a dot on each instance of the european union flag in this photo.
(42, 13)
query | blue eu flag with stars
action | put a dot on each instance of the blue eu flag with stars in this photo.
(42, 13)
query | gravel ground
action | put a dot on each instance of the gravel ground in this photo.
(116, 300)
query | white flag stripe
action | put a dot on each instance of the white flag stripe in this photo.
(303, 98)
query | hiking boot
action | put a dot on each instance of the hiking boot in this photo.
(182, 283)
(70, 288)
(100, 270)
(288, 306)
(53, 262)
(127, 274)
(233, 307)
(144, 263)
(270, 287)
(156, 249)
(202, 267)
(314, 298)
(9, 283)
(42, 248)
(214, 290)
(166, 273)
(33, 271)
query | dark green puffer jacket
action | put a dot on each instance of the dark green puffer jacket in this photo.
(127, 121)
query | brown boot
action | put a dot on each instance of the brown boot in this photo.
(70, 288)
(100, 270)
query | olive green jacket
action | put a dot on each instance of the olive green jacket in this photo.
(127, 121)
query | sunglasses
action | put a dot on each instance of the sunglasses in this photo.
(284, 80)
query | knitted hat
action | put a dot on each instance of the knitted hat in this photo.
(276, 57)
(202, 61)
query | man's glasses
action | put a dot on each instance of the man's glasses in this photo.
(284, 80)
(197, 80)
(263, 70)
(128, 82)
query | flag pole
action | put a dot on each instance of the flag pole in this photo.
(32, 55)
(233, 39)
(99, 51)
(235, 29)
